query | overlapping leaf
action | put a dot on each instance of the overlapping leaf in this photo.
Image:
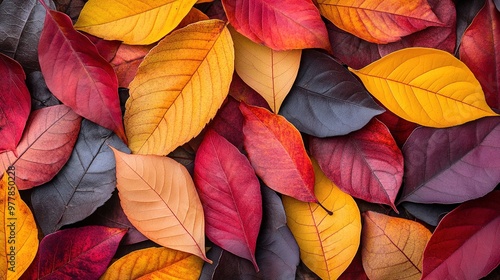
(296, 25)
(127, 61)
(85, 182)
(133, 22)
(45, 147)
(41, 96)
(452, 165)
(466, 243)
(327, 243)
(15, 103)
(426, 86)
(271, 73)
(326, 100)
(195, 65)
(155, 263)
(77, 253)
(480, 51)
(159, 198)
(276, 151)
(371, 154)
(392, 247)
(18, 231)
(229, 191)
(89, 86)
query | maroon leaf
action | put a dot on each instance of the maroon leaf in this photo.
(243, 92)
(107, 49)
(45, 147)
(466, 243)
(78, 253)
(229, 122)
(77, 75)
(480, 51)
(452, 165)
(15, 103)
(399, 127)
(355, 270)
(230, 192)
(367, 163)
(466, 12)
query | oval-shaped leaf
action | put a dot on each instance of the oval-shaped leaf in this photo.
(137, 23)
(89, 86)
(159, 198)
(15, 103)
(83, 184)
(229, 191)
(379, 21)
(271, 73)
(327, 243)
(366, 164)
(45, 147)
(179, 87)
(392, 247)
(326, 100)
(18, 231)
(76, 253)
(466, 243)
(155, 263)
(426, 86)
(296, 25)
(276, 152)
(480, 51)
(452, 165)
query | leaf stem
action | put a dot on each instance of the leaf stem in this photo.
(327, 211)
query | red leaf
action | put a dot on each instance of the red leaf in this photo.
(480, 51)
(276, 151)
(77, 75)
(77, 253)
(366, 164)
(229, 122)
(45, 147)
(399, 127)
(127, 60)
(15, 103)
(107, 49)
(295, 24)
(466, 243)
(355, 270)
(230, 192)
(243, 92)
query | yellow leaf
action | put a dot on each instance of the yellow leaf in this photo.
(392, 247)
(179, 87)
(271, 73)
(426, 86)
(155, 263)
(19, 234)
(327, 243)
(159, 198)
(139, 22)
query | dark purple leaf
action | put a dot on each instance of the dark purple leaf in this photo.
(466, 12)
(326, 99)
(452, 165)
(70, 7)
(429, 213)
(40, 94)
(85, 182)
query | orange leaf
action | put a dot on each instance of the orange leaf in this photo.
(379, 21)
(159, 198)
(392, 247)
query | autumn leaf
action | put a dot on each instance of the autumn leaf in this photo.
(271, 73)
(18, 231)
(392, 248)
(276, 152)
(14, 107)
(126, 61)
(327, 243)
(195, 65)
(133, 22)
(155, 263)
(90, 86)
(159, 198)
(426, 86)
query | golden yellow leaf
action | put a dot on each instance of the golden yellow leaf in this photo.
(159, 198)
(327, 243)
(155, 263)
(392, 247)
(139, 22)
(426, 86)
(179, 87)
(271, 73)
(18, 232)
